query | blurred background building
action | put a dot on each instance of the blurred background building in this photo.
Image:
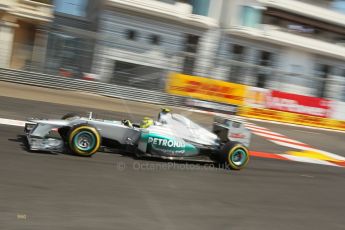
(140, 40)
(292, 45)
(72, 37)
(297, 46)
(22, 30)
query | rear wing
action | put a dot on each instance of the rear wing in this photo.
(232, 129)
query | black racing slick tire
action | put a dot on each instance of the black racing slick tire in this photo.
(83, 140)
(234, 155)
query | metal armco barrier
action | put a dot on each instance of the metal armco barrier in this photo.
(100, 88)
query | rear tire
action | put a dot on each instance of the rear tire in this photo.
(234, 155)
(83, 140)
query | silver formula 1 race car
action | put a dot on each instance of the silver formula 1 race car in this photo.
(172, 137)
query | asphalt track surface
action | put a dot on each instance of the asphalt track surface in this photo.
(115, 191)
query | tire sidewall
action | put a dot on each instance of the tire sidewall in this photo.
(74, 131)
(229, 150)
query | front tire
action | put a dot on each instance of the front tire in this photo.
(234, 155)
(84, 140)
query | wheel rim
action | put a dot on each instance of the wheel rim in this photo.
(84, 141)
(239, 157)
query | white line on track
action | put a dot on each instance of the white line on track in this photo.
(272, 134)
(290, 145)
(293, 125)
(4, 121)
(280, 139)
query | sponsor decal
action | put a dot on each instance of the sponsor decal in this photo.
(237, 136)
(295, 103)
(167, 146)
(263, 113)
(206, 89)
(299, 118)
(166, 142)
(293, 118)
(256, 97)
(212, 106)
(340, 124)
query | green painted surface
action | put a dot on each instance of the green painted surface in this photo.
(168, 146)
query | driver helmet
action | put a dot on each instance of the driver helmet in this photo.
(165, 110)
(162, 116)
(146, 122)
